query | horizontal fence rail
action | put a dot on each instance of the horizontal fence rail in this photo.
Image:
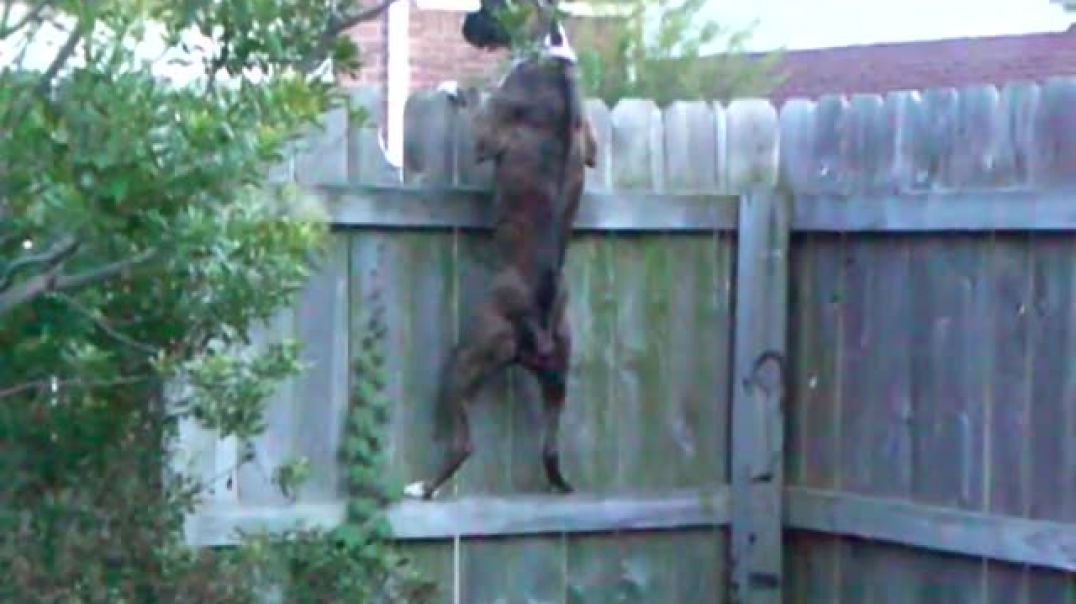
(1013, 210)
(1040, 543)
(414, 207)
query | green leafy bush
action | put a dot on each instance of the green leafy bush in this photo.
(138, 245)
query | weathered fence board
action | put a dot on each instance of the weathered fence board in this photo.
(589, 421)
(984, 211)
(935, 527)
(321, 394)
(812, 446)
(812, 165)
(1007, 399)
(757, 472)
(483, 516)
(1051, 468)
(435, 560)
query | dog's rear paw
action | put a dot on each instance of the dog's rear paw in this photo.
(417, 490)
(562, 487)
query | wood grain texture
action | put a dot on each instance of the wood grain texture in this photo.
(429, 153)
(997, 210)
(1051, 305)
(947, 411)
(366, 162)
(253, 480)
(944, 530)
(321, 158)
(752, 145)
(622, 568)
(758, 397)
(978, 157)
(1053, 159)
(599, 178)
(1012, 209)
(321, 391)
(1008, 399)
(468, 208)
(414, 275)
(435, 560)
(589, 423)
(812, 165)
(640, 290)
(1020, 103)
(696, 338)
(691, 147)
(1051, 396)
(939, 528)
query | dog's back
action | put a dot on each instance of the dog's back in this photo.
(539, 170)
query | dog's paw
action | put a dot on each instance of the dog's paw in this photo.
(416, 490)
(451, 88)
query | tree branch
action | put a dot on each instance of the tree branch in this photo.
(16, 112)
(105, 326)
(53, 281)
(31, 15)
(57, 253)
(345, 23)
(60, 59)
(80, 280)
(45, 383)
(338, 25)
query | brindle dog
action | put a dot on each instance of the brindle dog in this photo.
(534, 129)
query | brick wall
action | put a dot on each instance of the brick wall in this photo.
(371, 38)
(439, 53)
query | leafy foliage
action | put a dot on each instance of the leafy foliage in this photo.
(655, 49)
(138, 245)
(353, 561)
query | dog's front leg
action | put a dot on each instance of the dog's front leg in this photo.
(482, 353)
(492, 127)
(487, 144)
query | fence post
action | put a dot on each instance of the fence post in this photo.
(752, 150)
(758, 389)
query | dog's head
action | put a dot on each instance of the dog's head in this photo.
(510, 24)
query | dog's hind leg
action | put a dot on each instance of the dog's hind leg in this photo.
(552, 375)
(490, 348)
(553, 398)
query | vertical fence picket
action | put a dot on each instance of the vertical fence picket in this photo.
(1052, 410)
(1006, 439)
(599, 177)
(429, 156)
(366, 160)
(694, 301)
(304, 415)
(758, 355)
(589, 442)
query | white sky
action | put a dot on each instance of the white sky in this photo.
(798, 24)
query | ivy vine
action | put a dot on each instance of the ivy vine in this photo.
(357, 561)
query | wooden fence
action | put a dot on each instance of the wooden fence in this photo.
(911, 255)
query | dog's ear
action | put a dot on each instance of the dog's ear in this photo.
(482, 29)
